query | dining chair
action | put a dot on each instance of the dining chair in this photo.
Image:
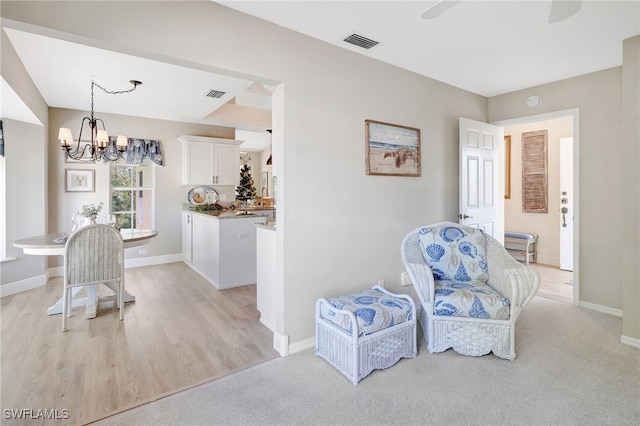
(93, 255)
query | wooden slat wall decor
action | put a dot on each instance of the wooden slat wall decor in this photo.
(534, 172)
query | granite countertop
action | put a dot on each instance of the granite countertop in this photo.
(271, 226)
(225, 214)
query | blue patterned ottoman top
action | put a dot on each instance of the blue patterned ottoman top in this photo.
(374, 311)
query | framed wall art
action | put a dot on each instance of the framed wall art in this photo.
(80, 180)
(391, 149)
(534, 172)
(507, 165)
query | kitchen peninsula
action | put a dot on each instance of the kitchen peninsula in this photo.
(221, 245)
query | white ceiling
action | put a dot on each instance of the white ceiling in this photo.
(168, 91)
(486, 47)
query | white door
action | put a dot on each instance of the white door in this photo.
(566, 204)
(482, 177)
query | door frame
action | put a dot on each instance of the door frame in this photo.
(575, 114)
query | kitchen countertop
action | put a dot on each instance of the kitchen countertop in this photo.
(228, 214)
(271, 226)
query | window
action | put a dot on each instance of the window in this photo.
(132, 188)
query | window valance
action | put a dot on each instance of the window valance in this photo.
(136, 152)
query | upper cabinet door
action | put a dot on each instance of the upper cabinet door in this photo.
(227, 164)
(210, 161)
(199, 167)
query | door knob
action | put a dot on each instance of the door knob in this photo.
(564, 212)
(464, 216)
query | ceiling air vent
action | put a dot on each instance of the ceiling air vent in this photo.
(215, 94)
(360, 41)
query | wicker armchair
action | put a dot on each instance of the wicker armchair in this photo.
(471, 290)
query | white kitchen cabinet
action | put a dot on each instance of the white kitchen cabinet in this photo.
(224, 249)
(210, 161)
(187, 232)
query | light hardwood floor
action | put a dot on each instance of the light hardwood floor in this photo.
(555, 283)
(179, 332)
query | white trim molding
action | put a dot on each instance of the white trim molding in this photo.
(58, 271)
(281, 344)
(302, 345)
(630, 341)
(23, 285)
(600, 308)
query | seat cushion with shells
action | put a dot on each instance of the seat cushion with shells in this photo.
(472, 299)
(374, 311)
(455, 253)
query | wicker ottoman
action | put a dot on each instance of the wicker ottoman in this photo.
(359, 333)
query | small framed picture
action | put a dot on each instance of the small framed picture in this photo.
(80, 180)
(265, 181)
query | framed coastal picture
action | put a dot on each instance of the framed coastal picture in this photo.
(80, 180)
(391, 149)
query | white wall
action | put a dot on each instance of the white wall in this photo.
(26, 175)
(631, 182)
(546, 225)
(601, 190)
(25, 198)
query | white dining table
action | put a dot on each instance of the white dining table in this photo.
(44, 245)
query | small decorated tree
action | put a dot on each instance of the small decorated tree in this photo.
(245, 190)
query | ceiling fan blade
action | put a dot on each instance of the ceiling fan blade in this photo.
(439, 8)
(561, 10)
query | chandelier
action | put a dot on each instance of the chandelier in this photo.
(98, 147)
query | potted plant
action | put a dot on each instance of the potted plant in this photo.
(91, 211)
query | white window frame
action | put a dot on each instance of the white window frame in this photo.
(152, 167)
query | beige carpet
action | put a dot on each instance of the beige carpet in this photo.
(571, 370)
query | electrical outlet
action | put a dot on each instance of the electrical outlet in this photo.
(405, 279)
(381, 283)
(243, 236)
(143, 251)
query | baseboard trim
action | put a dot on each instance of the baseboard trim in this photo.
(153, 260)
(58, 271)
(600, 308)
(281, 344)
(23, 285)
(302, 345)
(630, 341)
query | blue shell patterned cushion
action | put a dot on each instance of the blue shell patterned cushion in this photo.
(374, 311)
(473, 299)
(455, 253)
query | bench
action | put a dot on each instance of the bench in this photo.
(522, 246)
